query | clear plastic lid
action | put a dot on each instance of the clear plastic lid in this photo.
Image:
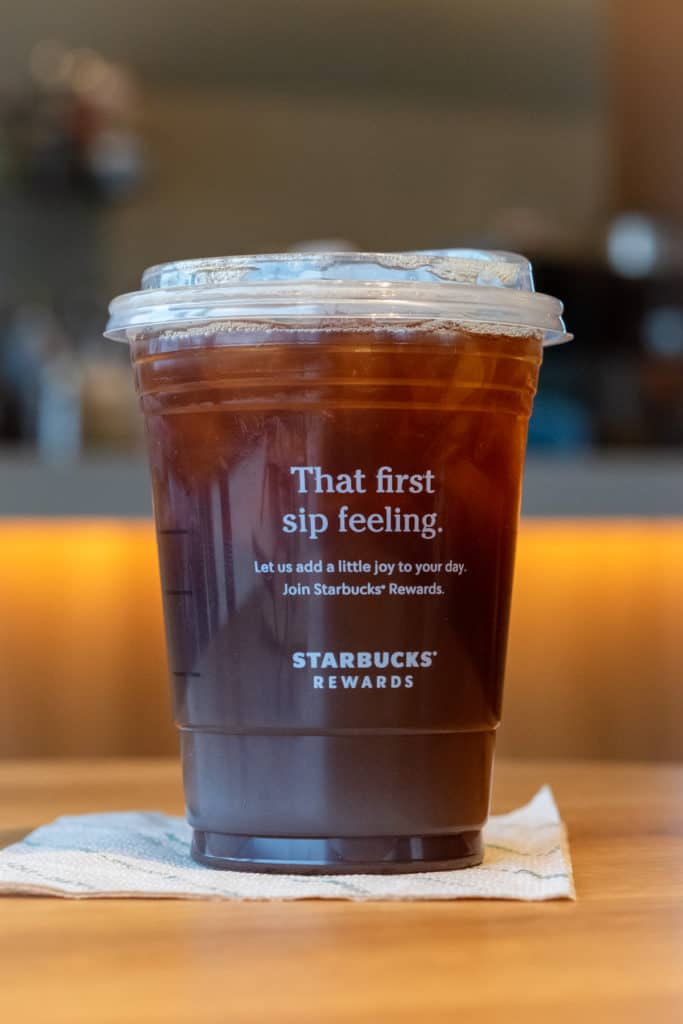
(464, 286)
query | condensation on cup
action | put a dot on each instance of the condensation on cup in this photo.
(336, 445)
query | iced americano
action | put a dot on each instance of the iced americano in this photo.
(336, 447)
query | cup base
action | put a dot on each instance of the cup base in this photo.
(334, 856)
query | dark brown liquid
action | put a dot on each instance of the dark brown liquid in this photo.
(274, 748)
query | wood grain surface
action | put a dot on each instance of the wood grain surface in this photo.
(614, 956)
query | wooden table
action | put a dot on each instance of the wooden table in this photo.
(615, 955)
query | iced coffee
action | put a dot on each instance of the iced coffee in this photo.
(336, 455)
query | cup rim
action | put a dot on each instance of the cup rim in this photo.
(465, 287)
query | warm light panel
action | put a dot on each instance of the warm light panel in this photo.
(594, 667)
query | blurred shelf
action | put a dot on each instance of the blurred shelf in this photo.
(633, 484)
(112, 486)
(593, 485)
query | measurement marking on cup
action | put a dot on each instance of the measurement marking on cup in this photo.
(167, 533)
(192, 675)
(178, 593)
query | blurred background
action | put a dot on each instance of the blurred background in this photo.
(131, 134)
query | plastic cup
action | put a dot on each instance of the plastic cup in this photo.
(336, 445)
